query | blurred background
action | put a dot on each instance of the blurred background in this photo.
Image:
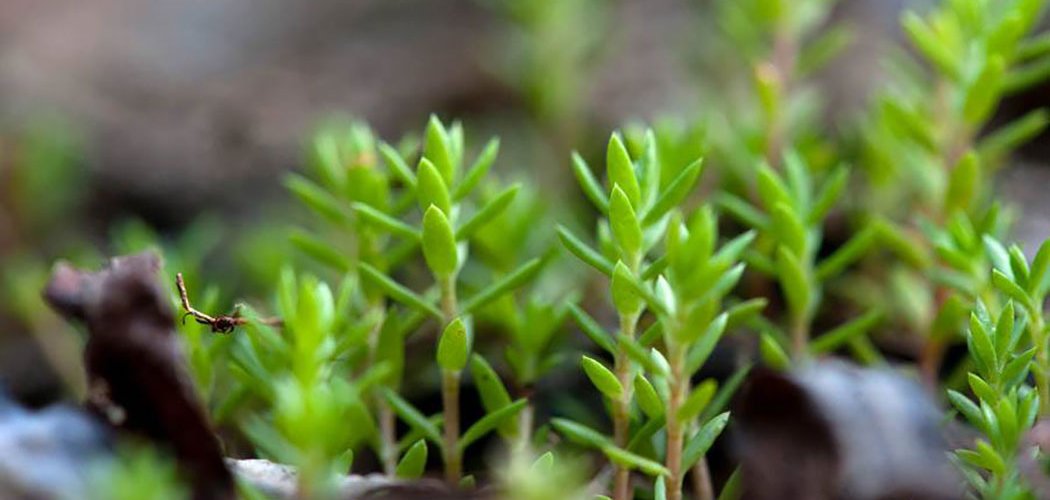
(125, 123)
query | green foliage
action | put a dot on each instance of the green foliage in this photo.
(424, 271)
(135, 472)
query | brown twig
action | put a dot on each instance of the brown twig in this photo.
(218, 324)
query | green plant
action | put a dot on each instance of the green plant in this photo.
(929, 153)
(1007, 343)
(427, 274)
(634, 210)
(375, 216)
(790, 230)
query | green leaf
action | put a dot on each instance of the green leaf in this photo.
(990, 458)
(620, 171)
(1011, 289)
(438, 149)
(697, 400)
(592, 329)
(397, 165)
(544, 464)
(981, 347)
(431, 188)
(771, 188)
(639, 354)
(772, 353)
(478, 170)
(396, 291)
(844, 333)
(319, 250)
(502, 286)
(585, 253)
(788, 229)
(794, 282)
(825, 47)
(632, 461)
(1004, 332)
(602, 378)
(627, 233)
(828, 195)
(733, 489)
(967, 408)
(1035, 46)
(901, 244)
(489, 422)
(439, 243)
(580, 434)
(648, 399)
(981, 388)
(625, 298)
(725, 392)
(924, 38)
(703, 439)
(742, 312)
(642, 437)
(490, 211)
(414, 462)
(317, 199)
(384, 221)
(491, 390)
(1037, 275)
(741, 210)
(591, 188)
(660, 489)
(997, 253)
(983, 93)
(454, 346)
(1017, 369)
(1008, 137)
(412, 416)
(963, 181)
(1026, 76)
(704, 345)
(655, 303)
(847, 254)
(674, 193)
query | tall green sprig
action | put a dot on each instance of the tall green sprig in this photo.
(442, 189)
(313, 413)
(634, 206)
(691, 315)
(1006, 344)
(928, 151)
(790, 227)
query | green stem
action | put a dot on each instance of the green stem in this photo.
(450, 392)
(679, 385)
(387, 420)
(799, 338)
(450, 398)
(1042, 356)
(622, 407)
(702, 480)
(525, 422)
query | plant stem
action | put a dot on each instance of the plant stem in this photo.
(702, 480)
(525, 421)
(450, 392)
(679, 385)
(387, 420)
(388, 437)
(799, 338)
(1041, 374)
(622, 408)
(450, 399)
